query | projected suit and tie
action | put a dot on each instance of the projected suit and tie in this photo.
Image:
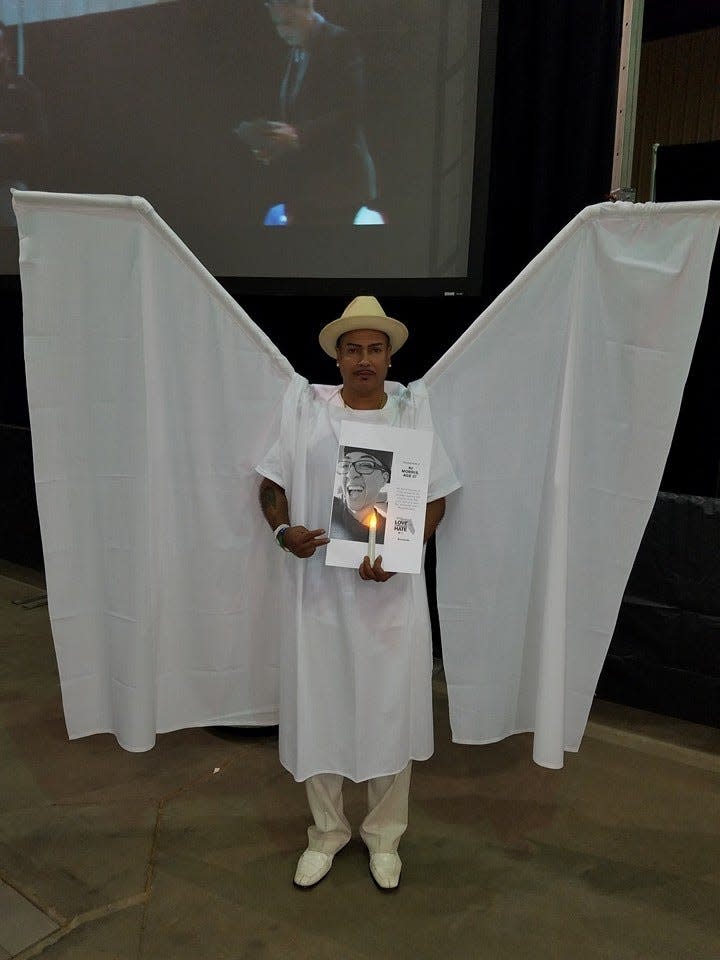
(316, 150)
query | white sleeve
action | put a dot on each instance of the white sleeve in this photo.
(271, 465)
(279, 461)
(443, 479)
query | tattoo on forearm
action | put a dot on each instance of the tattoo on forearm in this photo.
(273, 503)
(268, 500)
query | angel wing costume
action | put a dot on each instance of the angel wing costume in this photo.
(153, 396)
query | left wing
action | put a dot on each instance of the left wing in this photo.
(152, 397)
(557, 407)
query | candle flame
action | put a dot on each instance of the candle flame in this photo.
(372, 522)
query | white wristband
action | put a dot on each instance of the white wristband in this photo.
(277, 531)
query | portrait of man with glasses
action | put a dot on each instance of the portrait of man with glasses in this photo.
(362, 476)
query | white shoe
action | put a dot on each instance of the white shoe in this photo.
(312, 867)
(385, 869)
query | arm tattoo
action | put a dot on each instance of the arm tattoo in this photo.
(273, 503)
(267, 499)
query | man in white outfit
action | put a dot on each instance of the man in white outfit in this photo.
(356, 661)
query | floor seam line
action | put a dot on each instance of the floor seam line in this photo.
(34, 900)
(80, 920)
(150, 876)
(152, 857)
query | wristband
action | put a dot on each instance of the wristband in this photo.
(278, 532)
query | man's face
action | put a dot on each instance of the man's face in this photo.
(291, 20)
(363, 358)
(5, 55)
(363, 476)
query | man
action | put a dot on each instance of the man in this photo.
(355, 679)
(316, 147)
(21, 130)
(363, 475)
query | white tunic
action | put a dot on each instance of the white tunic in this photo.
(356, 665)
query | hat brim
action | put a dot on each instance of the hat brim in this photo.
(396, 331)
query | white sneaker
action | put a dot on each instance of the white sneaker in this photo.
(385, 869)
(312, 867)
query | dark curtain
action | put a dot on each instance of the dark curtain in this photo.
(553, 125)
(691, 171)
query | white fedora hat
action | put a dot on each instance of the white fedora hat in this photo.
(363, 313)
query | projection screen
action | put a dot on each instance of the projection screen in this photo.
(352, 154)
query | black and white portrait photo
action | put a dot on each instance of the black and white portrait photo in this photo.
(360, 490)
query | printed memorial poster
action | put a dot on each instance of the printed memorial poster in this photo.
(379, 497)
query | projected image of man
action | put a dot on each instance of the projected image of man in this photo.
(21, 130)
(315, 149)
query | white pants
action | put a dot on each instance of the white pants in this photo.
(381, 829)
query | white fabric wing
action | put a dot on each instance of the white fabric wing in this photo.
(152, 396)
(557, 408)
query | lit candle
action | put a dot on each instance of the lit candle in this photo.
(372, 524)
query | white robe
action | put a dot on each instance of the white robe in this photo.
(356, 656)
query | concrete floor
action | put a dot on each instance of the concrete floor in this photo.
(189, 850)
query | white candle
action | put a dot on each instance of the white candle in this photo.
(371, 536)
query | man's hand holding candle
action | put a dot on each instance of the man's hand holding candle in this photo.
(374, 571)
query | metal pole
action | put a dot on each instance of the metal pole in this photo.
(630, 47)
(21, 39)
(653, 170)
